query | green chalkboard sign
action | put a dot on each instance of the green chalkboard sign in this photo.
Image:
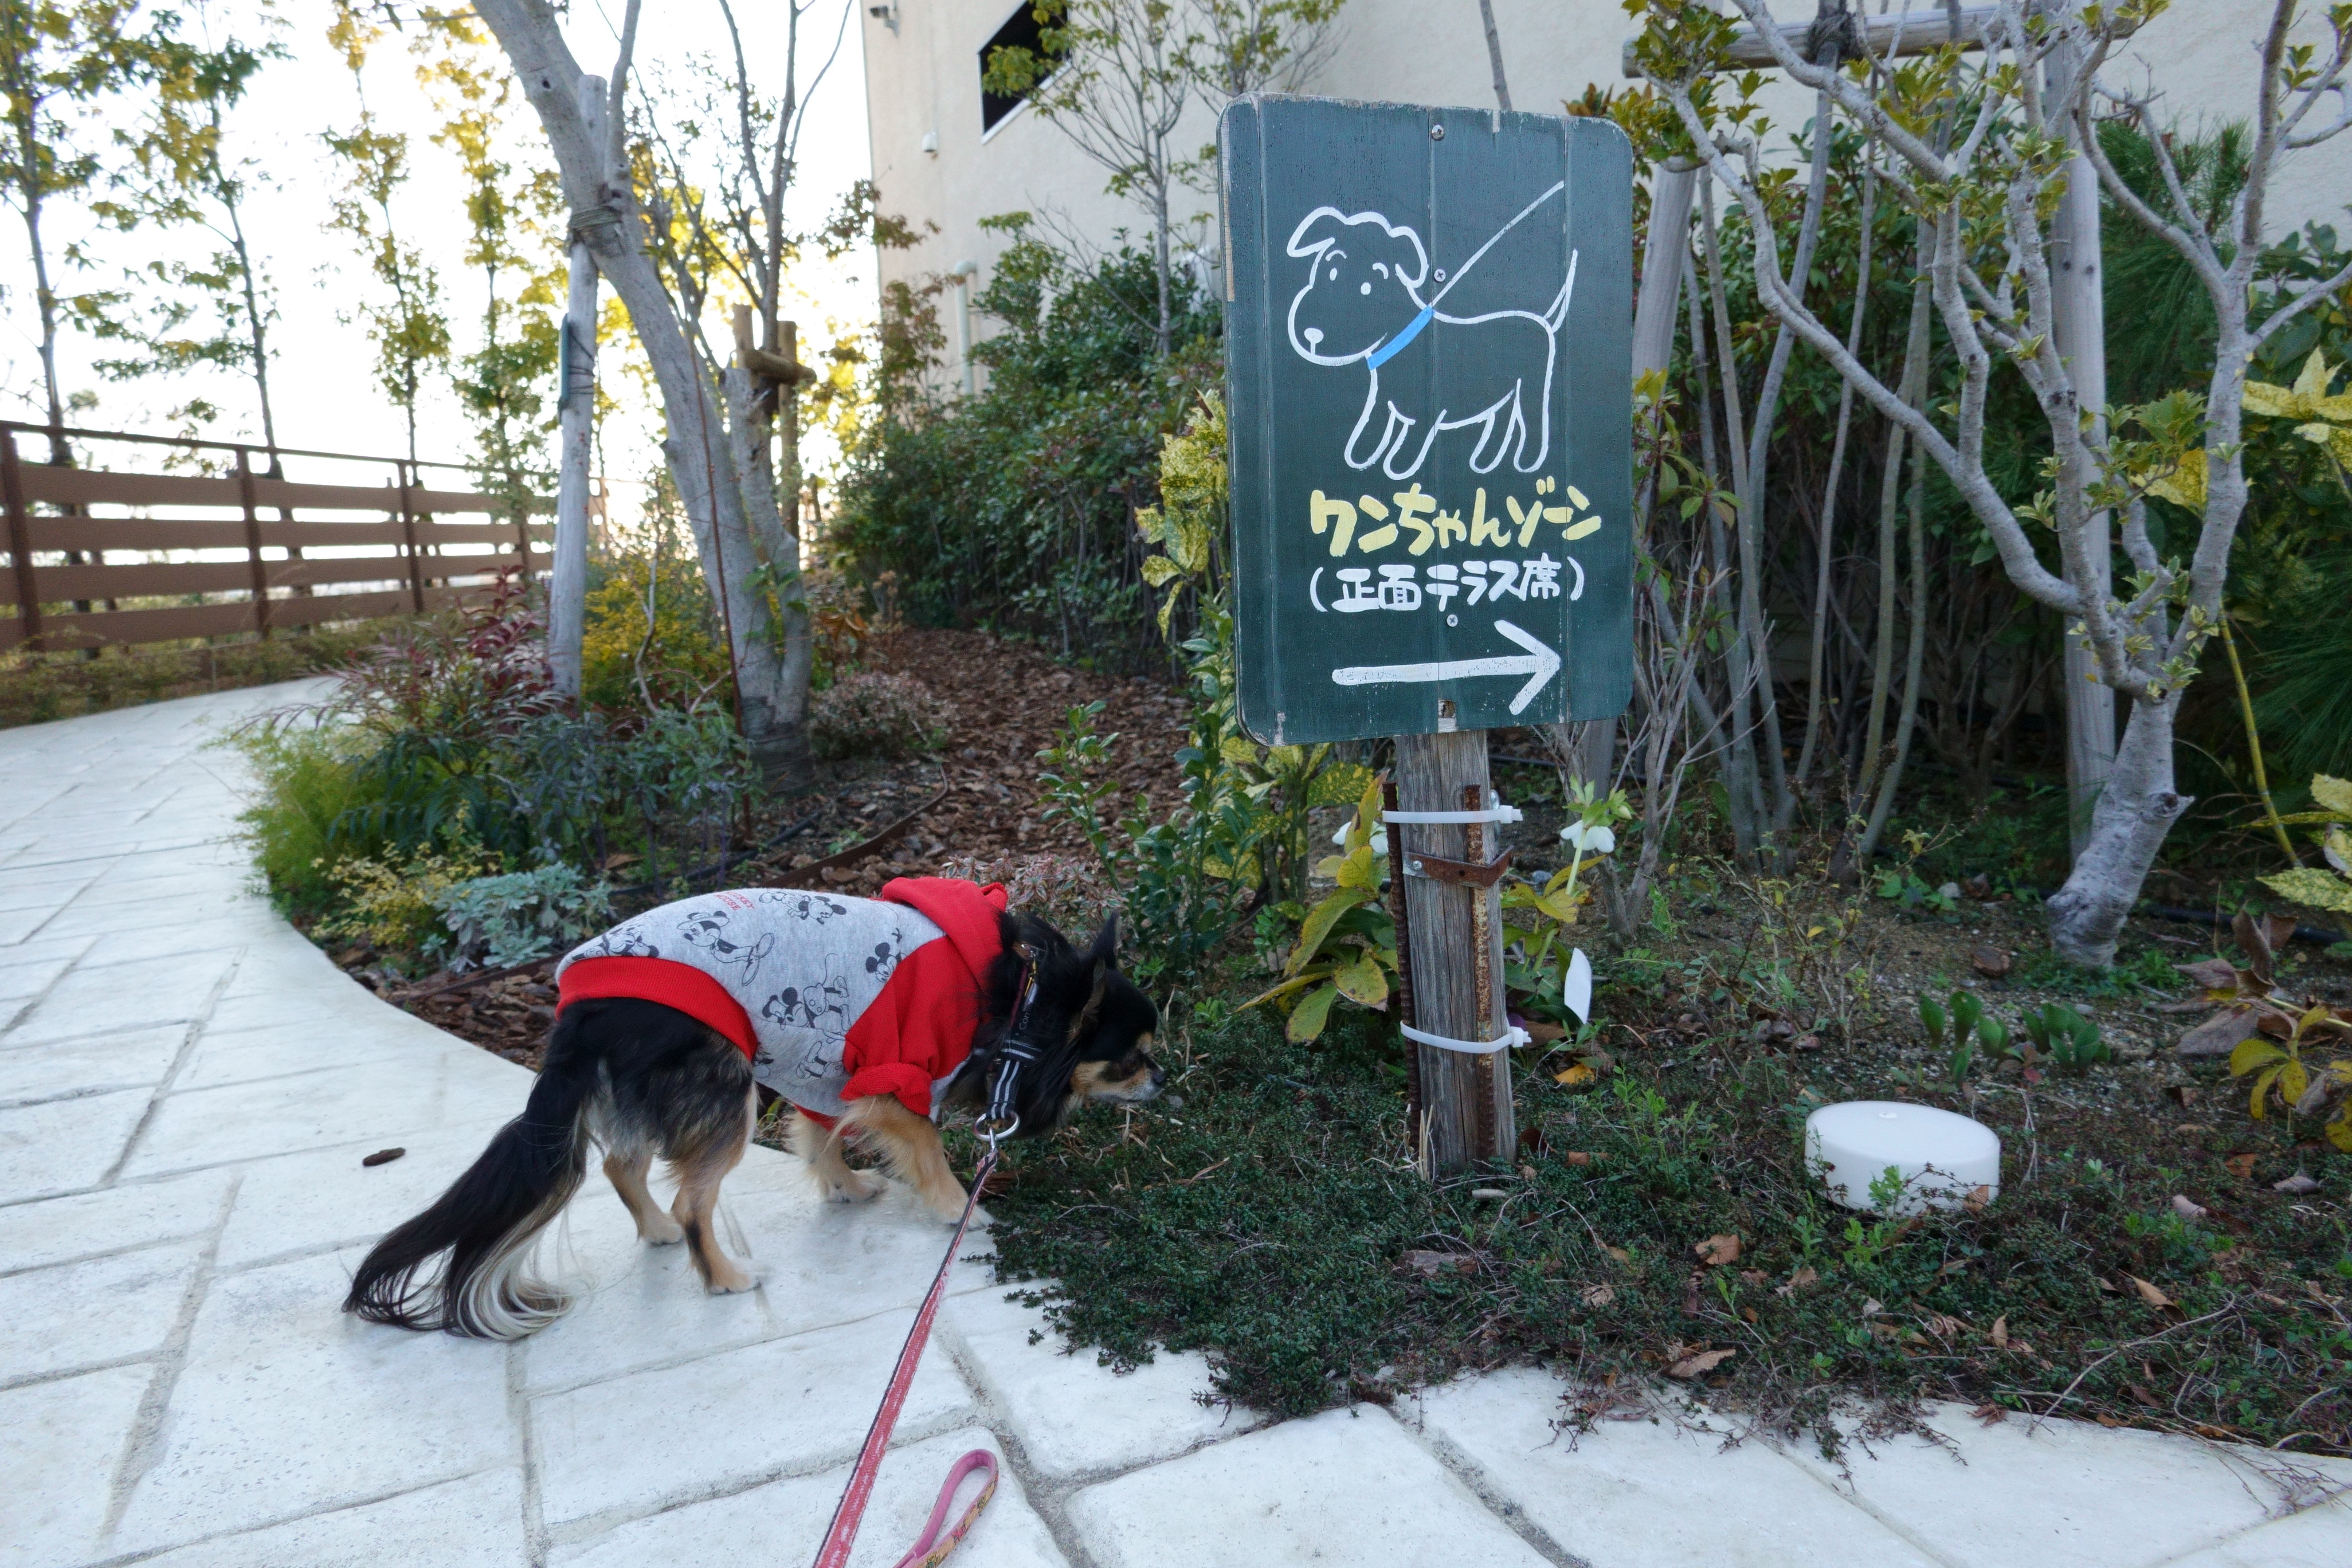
(1428, 323)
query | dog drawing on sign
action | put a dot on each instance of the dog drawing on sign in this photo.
(1371, 292)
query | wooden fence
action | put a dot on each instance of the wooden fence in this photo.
(102, 555)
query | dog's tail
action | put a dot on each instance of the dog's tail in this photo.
(489, 1218)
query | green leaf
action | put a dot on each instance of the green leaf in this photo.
(1339, 784)
(1158, 569)
(2332, 792)
(1317, 925)
(1932, 1018)
(2252, 1053)
(1319, 972)
(1362, 982)
(1306, 1019)
(2315, 888)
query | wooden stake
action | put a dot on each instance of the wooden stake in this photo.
(1456, 958)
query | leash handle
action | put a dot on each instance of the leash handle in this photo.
(931, 1547)
(850, 1511)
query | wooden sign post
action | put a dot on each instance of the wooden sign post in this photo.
(1430, 393)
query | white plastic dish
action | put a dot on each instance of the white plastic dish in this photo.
(1940, 1157)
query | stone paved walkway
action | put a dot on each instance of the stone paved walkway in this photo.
(187, 1087)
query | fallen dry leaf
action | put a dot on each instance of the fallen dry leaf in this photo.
(1578, 1157)
(1944, 1327)
(1977, 1201)
(2241, 1166)
(1992, 962)
(1717, 1251)
(1598, 1295)
(1699, 1363)
(1990, 1414)
(1999, 1335)
(2188, 1207)
(2106, 1421)
(1575, 1077)
(1430, 1265)
(2217, 1035)
(2213, 974)
(2141, 1392)
(1619, 1253)
(1750, 1314)
(2296, 1184)
(1872, 1306)
(1754, 1277)
(2150, 1293)
(1798, 1281)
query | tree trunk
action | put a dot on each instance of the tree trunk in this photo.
(2128, 822)
(700, 447)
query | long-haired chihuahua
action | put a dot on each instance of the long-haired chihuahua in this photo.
(640, 1077)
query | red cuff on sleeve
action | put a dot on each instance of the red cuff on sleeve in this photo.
(910, 1084)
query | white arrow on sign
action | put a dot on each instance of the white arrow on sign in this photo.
(1539, 662)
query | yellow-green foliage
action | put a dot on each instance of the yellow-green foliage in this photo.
(395, 906)
(2330, 889)
(1193, 486)
(684, 659)
(312, 779)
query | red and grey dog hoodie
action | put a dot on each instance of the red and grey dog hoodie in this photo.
(832, 998)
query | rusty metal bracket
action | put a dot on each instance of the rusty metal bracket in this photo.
(1439, 870)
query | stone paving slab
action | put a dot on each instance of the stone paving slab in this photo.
(1620, 1497)
(187, 1087)
(1346, 1486)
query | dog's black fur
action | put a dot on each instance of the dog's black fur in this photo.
(640, 1079)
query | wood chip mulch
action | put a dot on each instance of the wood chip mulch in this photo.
(1007, 702)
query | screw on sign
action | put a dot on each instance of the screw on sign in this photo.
(1428, 326)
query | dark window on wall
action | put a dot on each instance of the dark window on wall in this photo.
(1022, 30)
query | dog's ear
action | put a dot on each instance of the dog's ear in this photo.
(1103, 952)
(1316, 231)
(1411, 261)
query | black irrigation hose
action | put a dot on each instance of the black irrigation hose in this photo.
(720, 865)
(2215, 918)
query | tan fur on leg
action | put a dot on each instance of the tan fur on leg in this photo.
(820, 1149)
(628, 1178)
(699, 1170)
(909, 1147)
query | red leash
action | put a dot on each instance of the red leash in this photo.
(932, 1548)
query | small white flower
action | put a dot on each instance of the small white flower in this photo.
(1380, 836)
(1594, 840)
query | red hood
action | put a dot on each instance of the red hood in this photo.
(965, 912)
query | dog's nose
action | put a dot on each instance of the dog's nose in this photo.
(1314, 336)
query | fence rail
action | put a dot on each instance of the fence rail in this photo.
(104, 555)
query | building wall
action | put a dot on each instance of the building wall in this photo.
(923, 80)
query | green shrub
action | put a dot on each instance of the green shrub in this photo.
(314, 787)
(1012, 508)
(517, 917)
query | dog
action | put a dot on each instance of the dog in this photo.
(1363, 302)
(638, 1077)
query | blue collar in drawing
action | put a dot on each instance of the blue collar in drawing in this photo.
(1389, 350)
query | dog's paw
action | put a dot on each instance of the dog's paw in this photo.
(855, 1187)
(733, 1281)
(661, 1231)
(946, 1204)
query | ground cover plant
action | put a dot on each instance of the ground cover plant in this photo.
(36, 688)
(2153, 1258)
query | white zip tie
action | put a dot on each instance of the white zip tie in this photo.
(1496, 813)
(1513, 1036)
